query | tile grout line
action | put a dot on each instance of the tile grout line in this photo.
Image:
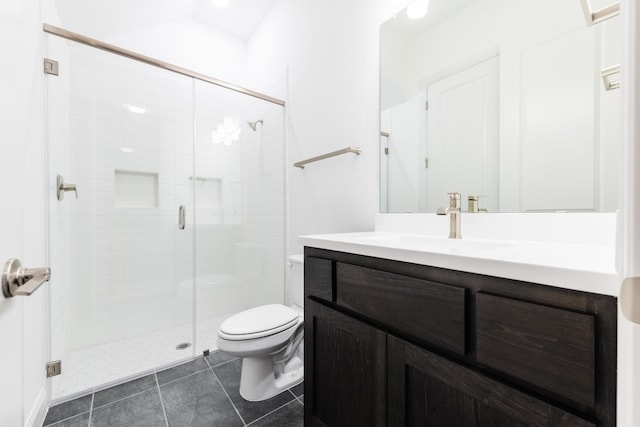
(164, 412)
(225, 391)
(59, 422)
(273, 411)
(220, 364)
(124, 398)
(296, 396)
(71, 416)
(93, 398)
(181, 378)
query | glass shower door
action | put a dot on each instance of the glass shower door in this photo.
(122, 294)
(240, 206)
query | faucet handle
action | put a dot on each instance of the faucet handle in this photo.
(474, 204)
(61, 187)
(454, 200)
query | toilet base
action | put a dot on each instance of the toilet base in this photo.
(258, 380)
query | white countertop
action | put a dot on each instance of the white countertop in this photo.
(583, 267)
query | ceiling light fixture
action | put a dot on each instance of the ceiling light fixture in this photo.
(220, 3)
(417, 9)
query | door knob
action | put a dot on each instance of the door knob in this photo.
(18, 280)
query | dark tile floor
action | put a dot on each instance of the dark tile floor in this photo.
(203, 392)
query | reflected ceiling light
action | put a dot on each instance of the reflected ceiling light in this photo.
(417, 9)
(227, 131)
(220, 3)
(136, 109)
(126, 149)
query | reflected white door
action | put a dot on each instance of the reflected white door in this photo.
(462, 137)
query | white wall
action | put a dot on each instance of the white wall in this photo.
(23, 320)
(394, 70)
(331, 49)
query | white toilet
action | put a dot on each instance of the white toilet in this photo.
(269, 339)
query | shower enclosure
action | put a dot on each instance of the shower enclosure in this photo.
(177, 220)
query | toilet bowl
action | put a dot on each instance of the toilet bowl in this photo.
(269, 339)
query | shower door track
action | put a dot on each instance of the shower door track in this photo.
(155, 62)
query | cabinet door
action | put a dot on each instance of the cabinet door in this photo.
(345, 364)
(429, 391)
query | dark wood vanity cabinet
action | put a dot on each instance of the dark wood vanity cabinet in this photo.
(398, 344)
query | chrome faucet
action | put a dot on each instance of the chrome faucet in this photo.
(455, 213)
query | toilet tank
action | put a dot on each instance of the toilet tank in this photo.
(295, 289)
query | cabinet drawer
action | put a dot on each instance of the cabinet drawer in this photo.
(547, 347)
(431, 312)
(318, 278)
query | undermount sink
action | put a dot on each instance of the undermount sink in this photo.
(428, 242)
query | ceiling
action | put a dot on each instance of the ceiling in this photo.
(240, 18)
(439, 10)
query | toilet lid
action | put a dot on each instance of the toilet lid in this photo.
(259, 322)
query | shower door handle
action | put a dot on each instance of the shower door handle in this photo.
(181, 217)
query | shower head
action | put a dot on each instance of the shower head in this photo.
(254, 125)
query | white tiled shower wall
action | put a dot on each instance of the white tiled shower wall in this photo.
(122, 262)
(263, 201)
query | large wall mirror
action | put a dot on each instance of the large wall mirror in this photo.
(515, 101)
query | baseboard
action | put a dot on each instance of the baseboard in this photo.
(38, 411)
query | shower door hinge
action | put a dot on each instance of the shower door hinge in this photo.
(54, 368)
(51, 66)
(386, 150)
(426, 105)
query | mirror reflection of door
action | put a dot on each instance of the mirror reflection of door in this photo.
(461, 151)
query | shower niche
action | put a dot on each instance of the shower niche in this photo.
(135, 189)
(145, 145)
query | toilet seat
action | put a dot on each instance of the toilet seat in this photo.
(258, 322)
